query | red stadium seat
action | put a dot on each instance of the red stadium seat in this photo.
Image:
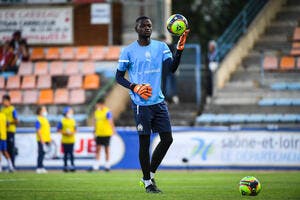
(270, 63)
(28, 82)
(13, 82)
(25, 68)
(41, 68)
(88, 68)
(71, 68)
(16, 96)
(67, 53)
(2, 93)
(30, 97)
(61, 96)
(2, 82)
(77, 96)
(75, 81)
(97, 53)
(296, 36)
(44, 81)
(56, 68)
(113, 53)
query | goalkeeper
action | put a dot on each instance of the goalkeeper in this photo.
(144, 60)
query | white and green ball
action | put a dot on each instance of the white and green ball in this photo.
(249, 186)
(177, 24)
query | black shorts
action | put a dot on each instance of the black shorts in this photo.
(104, 141)
(152, 119)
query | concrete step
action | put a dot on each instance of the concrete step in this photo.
(288, 15)
(251, 109)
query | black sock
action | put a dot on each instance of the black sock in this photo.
(161, 150)
(144, 155)
(65, 159)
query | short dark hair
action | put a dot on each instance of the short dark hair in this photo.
(101, 101)
(139, 20)
(6, 97)
(38, 110)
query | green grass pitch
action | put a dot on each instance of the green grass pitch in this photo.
(119, 185)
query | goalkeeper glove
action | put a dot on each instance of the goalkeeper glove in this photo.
(143, 90)
(182, 40)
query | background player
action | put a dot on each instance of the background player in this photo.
(104, 128)
(12, 120)
(144, 60)
(3, 144)
(67, 128)
(43, 137)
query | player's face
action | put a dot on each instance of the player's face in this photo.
(5, 102)
(144, 28)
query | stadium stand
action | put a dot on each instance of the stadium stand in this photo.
(59, 76)
(246, 99)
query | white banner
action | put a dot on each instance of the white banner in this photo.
(84, 150)
(52, 25)
(233, 149)
(100, 13)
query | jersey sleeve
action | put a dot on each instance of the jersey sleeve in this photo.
(123, 60)
(37, 125)
(109, 115)
(59, 126)
(166, 52)
(15, 114)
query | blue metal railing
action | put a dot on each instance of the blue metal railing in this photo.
(238, 27)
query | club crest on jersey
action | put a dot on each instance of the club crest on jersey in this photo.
(148, 56)
(140, 127)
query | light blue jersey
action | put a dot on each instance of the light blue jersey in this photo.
(144, 65)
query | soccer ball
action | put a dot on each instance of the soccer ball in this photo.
(177, 24)
(249, 186)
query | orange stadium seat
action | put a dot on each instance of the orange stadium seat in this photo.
(270, 63)
(25, 68)
(82, 53)
(16, 96)
(28, 82)
(287, 63)
(41, 68)
(67, 53)
(56, 68)
(52, 53)
(71, 68)
(296, 35)
(88, 68)
(13, 82)
(46, 96)
(112, 53)
(37, 53)
(77, 96)
(44, 81)
(30, 97)
(75, 81)
(97, 53)
(61, 96)
(91, 81)
(2, 82)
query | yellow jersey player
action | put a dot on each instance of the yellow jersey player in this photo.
(67, 128)
(104, 128)
(12, 120)
(43, 137)
(3, 144)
